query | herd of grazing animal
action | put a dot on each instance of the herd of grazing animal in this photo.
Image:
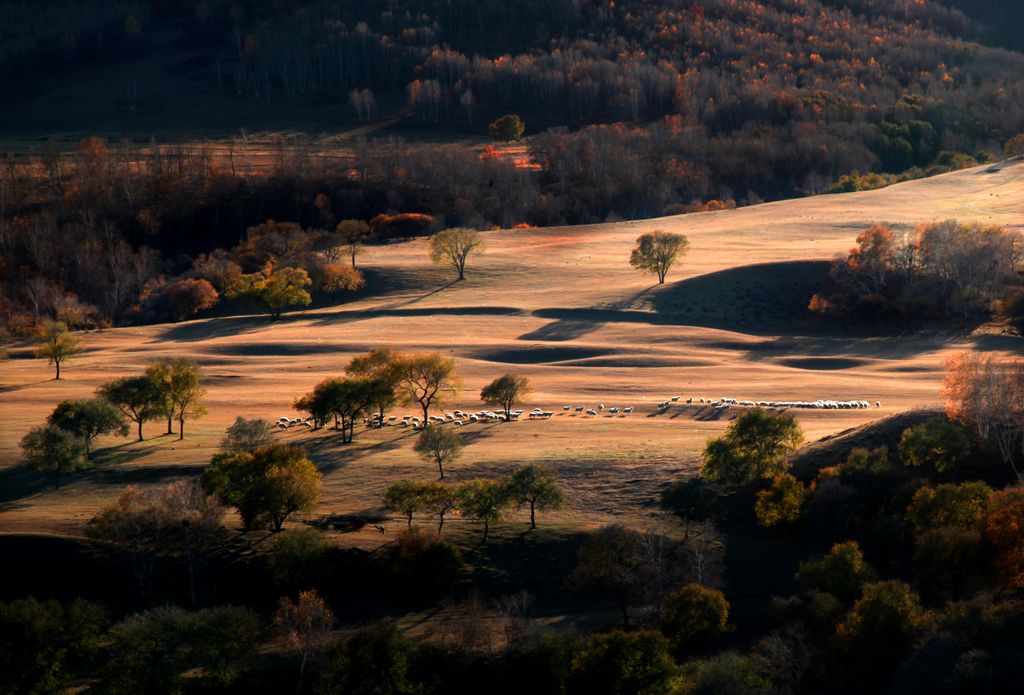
(458, 418)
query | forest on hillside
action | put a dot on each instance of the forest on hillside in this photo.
(632, 109)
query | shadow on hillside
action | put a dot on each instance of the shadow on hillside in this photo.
(766, 299)
(18, 482)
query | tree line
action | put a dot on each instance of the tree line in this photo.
(940, 269)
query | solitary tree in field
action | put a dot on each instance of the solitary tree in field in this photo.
(453, 246)
(304, 625)
(756, 445)
(440, 446)
(57, 344)
(353, 234)
(507, 128)
(88, 419)
(53, 450)
(426, 379)
(405, 497)
(483, 500)
(538, 487)
(135, 396)
(266, 486)
(656, 252)
(505, 392)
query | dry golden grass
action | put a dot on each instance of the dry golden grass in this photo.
(561, 306)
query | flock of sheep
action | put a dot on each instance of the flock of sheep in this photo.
(459, 418)
(821, 404)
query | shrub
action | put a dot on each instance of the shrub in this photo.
(964, 505)
(781, 503)
(728, 672)
(296, 559)
(937, 444)
(620, 663)
(694, 617)
(842, 572)
(422, 565)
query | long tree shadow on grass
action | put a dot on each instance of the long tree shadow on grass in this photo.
(22, 481)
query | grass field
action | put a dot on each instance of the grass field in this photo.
(561, 306)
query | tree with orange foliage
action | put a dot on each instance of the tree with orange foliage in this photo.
(872, 259)
(987, 395)
(1005, 531)
(304, 625)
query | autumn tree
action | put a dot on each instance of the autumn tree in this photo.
(426, 379)
(483, 500)
(656, 252)
(178, 384)
(304, 625)
(276, 288)
(188, 296)
(505, 392)
(194, 521)
(406, 497)
(538, 487)
(756, 445)
(452, 247)
(88, 419)
(964, 505)
(986, 395)
(1003, 530)
(57, 344)
(780, 503)
(266, 486)
(440, 498)
(44, 645)
(873, 257)
(842, 572)
(638, 663)
(507, 128)
(135, 396)
(353, 234)
(937, 444)
(378, 365)
(171, 650)
(692, 500)
(881, 628)
(335, 277)
(54, 450)
(343, 399)
(693, 617)
(247, 435)
(438, 445)
(610, 564)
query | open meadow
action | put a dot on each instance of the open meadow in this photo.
(561, 306)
